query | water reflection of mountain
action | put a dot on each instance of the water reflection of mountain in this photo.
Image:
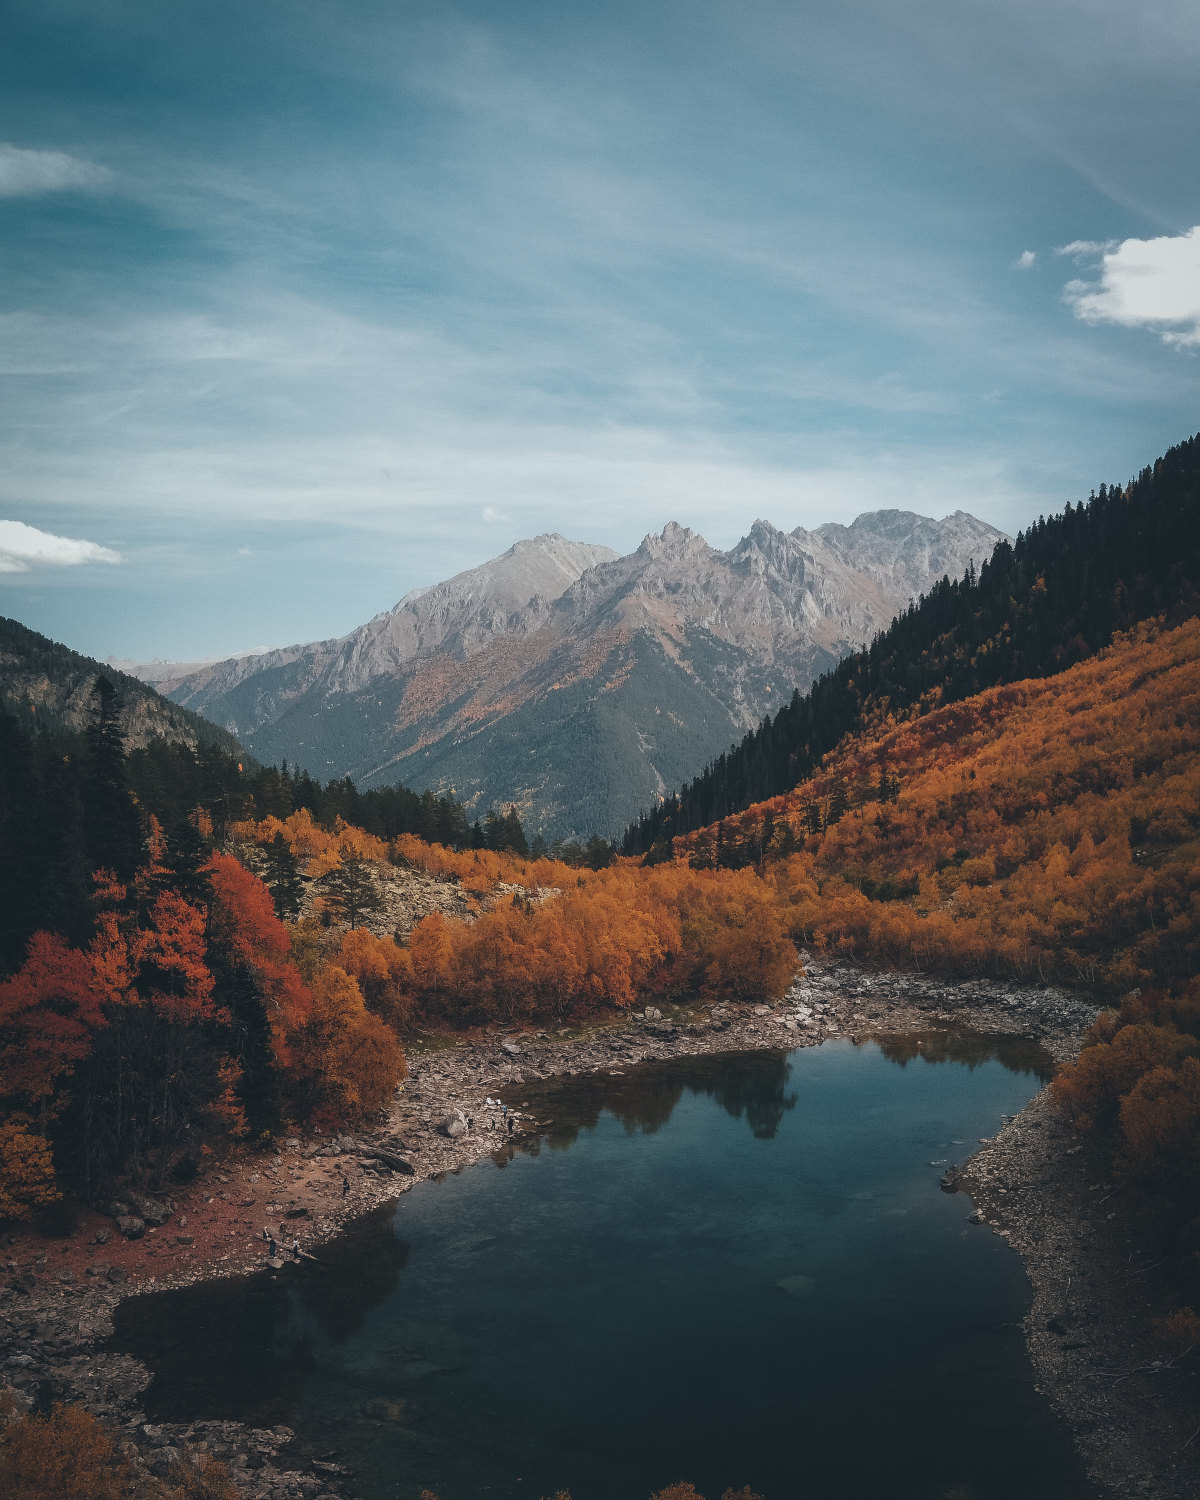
(969, 1048)
(270, 1322)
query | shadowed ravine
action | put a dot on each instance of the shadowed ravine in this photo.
(734, 1269)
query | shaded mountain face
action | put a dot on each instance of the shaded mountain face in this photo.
(49, 686)
(576, 684)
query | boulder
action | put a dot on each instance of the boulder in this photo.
(948, 1182)
(131, 1226)
(116, 1274)
(511, 1048)
(118, 1208)
(153, 1211)
(453, 1125)
(388, 1158)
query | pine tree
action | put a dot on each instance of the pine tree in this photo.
(351, 889)
(185, 854)
(111, 823)
(283, 878)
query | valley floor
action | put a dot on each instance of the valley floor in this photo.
(1087, 1246)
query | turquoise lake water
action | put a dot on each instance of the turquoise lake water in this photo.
(734, 1270)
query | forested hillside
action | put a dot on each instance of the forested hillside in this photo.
(48, 686)
(1053, 597)
(1046, 829)
(75, 803)
(162, 1000)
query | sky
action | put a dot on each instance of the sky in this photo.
(306, 303)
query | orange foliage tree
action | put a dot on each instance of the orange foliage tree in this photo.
(66, 1454)
(349, 1061)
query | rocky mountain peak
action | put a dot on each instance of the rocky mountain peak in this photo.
(673, 542)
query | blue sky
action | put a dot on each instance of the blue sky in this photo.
(305, 304)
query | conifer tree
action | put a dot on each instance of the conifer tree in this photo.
(283, 878)
(351, 889)
(111, 823)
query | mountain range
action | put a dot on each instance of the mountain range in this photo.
(573, 683)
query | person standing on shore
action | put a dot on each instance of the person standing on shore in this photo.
(345, 1185)
(295, 1247)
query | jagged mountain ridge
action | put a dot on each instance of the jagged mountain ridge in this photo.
(610, 680)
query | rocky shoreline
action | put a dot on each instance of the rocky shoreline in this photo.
(1030, 1184)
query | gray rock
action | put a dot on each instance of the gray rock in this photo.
(453, 1125)
(511, 1048)
(103, 1236)
(116, 1274)
(19, 1361)
(153, 1211)
(131, 1227)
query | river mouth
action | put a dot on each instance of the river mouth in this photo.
(735, 1269)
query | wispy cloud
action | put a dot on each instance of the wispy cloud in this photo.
(24, 173)
(25, 547)
(1083, 248)
(1026, 260)
(490, 513)
(1145, 284)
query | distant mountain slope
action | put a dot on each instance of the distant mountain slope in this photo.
(47, 684)
(576, 684)
(1054, 597)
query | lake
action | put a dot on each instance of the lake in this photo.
(738, 1270)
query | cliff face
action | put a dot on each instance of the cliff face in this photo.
(575, 683)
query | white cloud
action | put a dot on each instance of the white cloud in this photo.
(23, 547)
(25, 172)
(1146, 284)
(1026, 260)
(490, 513)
